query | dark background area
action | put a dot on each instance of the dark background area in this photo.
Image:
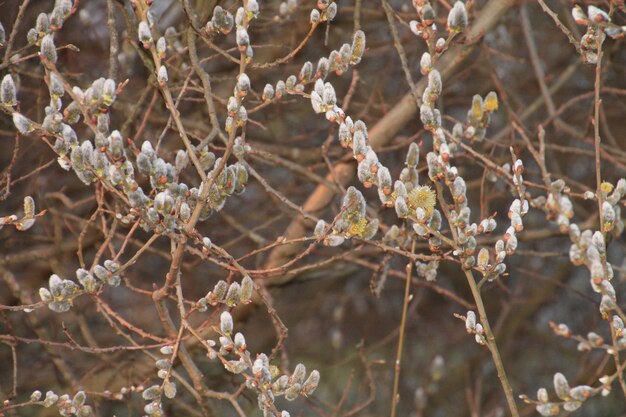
(336, 325)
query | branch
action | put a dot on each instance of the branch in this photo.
(386, 129)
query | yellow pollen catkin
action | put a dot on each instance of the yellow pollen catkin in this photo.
(422, 197)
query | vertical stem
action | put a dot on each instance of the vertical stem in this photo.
(405, 307)
(616, 359)
(114, 43)
(596, 128)
(482, 313)
(357, 15)
(491, 344)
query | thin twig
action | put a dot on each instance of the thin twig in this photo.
(398, 45)
(114, 43)
(405, 306)
(16, 27)
(560, 25)
(596, 127)
(534, 58)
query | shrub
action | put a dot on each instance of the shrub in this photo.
(203, 167)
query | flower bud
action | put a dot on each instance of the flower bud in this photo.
(434, 82)
(242, 38)
(45, 295)
(7, 91)
(243, 84)
(579, 15)
(162, 75)
(491, 102)
(161, 47)
(608, 217)
(311, 383)
(252, 8)
(597, 15)
(240, 341)
(470, 321)
(298, 374)
(169, 389)
(226, 323)
(561, 387)
(358, 47)
(50, 400)
(29, 206)
(426, 64)
(331, 11)
(292, 392)
(306, 72)
(457, 18)
(268, 92)
(428, 15)
(145, 36)
(233, 295)
(334, 240)
(55, 86)
(315, 17)
(151, 393)
(247, 287)
(22, 124)
(581, 392)
(483, 259)
(48, 50)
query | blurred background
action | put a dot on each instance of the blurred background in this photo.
(336, 323)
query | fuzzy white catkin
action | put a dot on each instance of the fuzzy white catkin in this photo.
(22, 124)
(457, 18)
(143, 31)
(7, 91)
(48, 49)
(242, 38)
(162, 75)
